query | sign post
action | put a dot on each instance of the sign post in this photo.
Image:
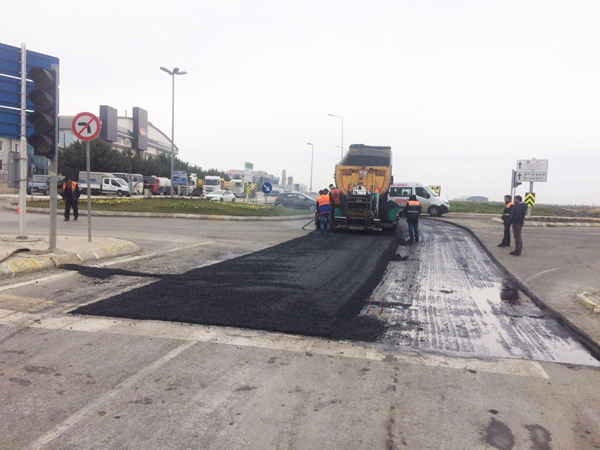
(532, 170)
(266, 188)
(86, 127)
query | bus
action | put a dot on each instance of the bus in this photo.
(135, 181)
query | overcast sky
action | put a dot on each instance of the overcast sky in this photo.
(459, 89)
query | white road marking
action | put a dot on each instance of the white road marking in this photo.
(103, 264)
(150, 255)
(274, 341)
(79, 415)
(543, 272)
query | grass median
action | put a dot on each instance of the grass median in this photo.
(538, 210)
(178, 206)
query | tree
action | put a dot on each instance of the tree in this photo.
(103, 158)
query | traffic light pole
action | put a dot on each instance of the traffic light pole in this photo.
(23, 147)
(54, 170)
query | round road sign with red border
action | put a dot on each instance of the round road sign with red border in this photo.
(86, 126)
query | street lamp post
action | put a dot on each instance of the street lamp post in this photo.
(342, 147)
(312, 153)
(173, 72)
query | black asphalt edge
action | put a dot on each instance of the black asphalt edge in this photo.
(170, 215)
(584, 338)
(359, 298)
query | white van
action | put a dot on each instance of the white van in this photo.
(430, 202)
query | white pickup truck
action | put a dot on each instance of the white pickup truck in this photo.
(103, 184)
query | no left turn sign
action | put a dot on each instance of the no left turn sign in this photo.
(86, 126)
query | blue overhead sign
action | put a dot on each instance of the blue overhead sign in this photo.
(10, 87)
(180, 177)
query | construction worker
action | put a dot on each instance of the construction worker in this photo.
(334, 196)
(412, 211)
(506, 219)
(324, 212)
(517, 219)
(70, 193)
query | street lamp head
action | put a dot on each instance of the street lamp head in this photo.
(175, 69)
(183, 72)
(166, 70)
(308, 143)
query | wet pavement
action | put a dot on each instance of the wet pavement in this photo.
(445, 294)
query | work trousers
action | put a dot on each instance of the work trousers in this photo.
(413, 231)
(325, 222)
(71, 204)
(506, 238)
(517, 227)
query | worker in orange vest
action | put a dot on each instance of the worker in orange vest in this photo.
(324, 212)
(70, 192)
(334, 196)
(412, 211)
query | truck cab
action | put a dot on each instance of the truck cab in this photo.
(429, 200)
(212, 183)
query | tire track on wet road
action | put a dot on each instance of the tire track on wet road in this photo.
(459, 301)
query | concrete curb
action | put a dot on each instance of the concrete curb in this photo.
(584, 338)
(171, 215)
(35, 264)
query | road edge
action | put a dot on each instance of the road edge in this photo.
(11, 269)
(83, 212)
(584, 338)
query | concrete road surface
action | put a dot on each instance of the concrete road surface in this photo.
(71, 382)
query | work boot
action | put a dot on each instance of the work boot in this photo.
(502, 245)
(515, 253)
(66, 220)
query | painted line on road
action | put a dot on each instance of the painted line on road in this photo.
(543, 272)
(103, 264)
(150, 255)
(273, 341)
(74, 419)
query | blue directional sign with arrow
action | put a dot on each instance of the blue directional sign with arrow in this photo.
(267, 188)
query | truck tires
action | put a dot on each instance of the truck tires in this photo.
(120, 193)
(434, 211)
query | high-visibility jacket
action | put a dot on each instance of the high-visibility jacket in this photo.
(73, 185)
(335, 196)
(74, 194)
(412, 210)
(507, 211)
(323, 205)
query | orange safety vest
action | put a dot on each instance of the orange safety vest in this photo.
(324, 205)
(335, 196)
(73, 185)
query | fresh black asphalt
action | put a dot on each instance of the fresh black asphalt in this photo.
(314, 285)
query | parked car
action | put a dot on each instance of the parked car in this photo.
(221, 196)
(296, 200)
(39, 184)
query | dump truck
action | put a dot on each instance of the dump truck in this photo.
(363, 177)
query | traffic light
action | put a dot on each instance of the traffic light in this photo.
(44, 97)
